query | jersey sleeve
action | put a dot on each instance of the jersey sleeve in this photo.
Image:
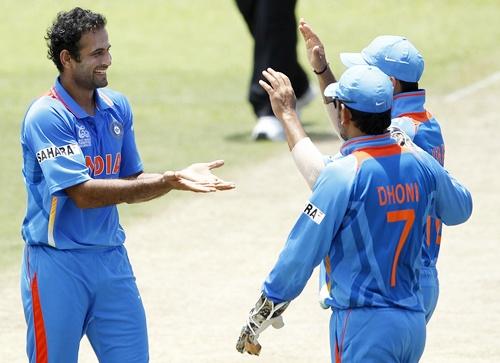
(452, 201)
(131, 162)
(51, 138)
(313, 233)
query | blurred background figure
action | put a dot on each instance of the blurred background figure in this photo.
(274, 29)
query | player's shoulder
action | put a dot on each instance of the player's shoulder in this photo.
(46, 110)
(44, 103)
(341, 162)
(342, 170)
(424, 159)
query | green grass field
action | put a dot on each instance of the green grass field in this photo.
(185, 66)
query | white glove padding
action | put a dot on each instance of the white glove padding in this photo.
(264, 314)
(400, 136)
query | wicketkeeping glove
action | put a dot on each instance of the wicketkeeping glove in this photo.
(400, 136)
(264, 314)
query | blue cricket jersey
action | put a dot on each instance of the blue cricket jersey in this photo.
(64, 146)
(409, 114)
(365, 218)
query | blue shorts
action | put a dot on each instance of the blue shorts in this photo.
(374, 335)
(429, 283)
(69, 293)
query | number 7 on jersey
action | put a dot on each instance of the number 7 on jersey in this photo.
(407, 216)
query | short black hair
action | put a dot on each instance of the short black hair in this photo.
(371, 123)
(408, 86)
(66, 31)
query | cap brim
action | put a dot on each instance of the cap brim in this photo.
(352, 59)
(331, 90)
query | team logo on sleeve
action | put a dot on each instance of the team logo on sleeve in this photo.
(53, 152)
(314, 213)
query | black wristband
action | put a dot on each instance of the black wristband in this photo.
(323, 70)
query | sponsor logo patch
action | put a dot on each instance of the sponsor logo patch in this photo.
(53, 152)
(314, 213)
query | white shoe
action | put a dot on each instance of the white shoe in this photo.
(306, 98)
(268, 128)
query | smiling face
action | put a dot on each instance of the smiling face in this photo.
(89, 70)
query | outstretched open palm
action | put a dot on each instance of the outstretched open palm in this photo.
(201, 173)
(315, 49)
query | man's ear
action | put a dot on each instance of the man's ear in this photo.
(65, 58)
(396, 85)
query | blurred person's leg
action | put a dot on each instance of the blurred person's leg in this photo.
(274, 29)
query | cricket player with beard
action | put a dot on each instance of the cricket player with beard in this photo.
(79, 161)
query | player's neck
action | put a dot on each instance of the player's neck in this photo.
(82, 96)
(351, 131)
(355, 132)
(397, 88)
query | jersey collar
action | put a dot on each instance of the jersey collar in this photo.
(362, 142)
(102, 101)
(408, 102)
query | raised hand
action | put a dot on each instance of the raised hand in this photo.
(315, 49)
(280, 93)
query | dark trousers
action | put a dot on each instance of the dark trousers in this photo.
(273, 26)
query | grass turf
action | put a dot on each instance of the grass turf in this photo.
(185, 66)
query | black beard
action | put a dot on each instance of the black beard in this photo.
(91, 83)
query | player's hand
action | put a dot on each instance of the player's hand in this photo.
(315, 49)
(198, 178)
(247, 342)
(264, 314)
(280, 93)
(202, 173)
(175, 181)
